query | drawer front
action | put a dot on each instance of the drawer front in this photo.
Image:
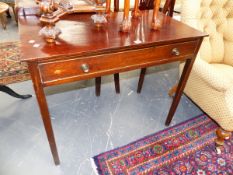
(90, 67)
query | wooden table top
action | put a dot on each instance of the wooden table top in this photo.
(80, 37)
(3, 7)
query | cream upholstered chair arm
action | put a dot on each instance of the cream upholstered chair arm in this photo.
(229, 100)
(211, 76)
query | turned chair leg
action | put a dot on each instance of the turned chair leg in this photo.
(141, 79)
(172, 91)
(222, 135)
(14, 11)
(8, 15)
(98, 84)
(3, 21)
(9, 91)
(117, 83)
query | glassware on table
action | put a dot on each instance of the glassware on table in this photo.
(50, 33)
(99, 18)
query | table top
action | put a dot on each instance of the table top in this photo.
(3, 7)
(80, 37)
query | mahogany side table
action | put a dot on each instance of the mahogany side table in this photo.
(82, 52)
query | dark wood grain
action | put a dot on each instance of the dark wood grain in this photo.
(117, 82)
(80, 37)
(141, 80)
(105, 50)
(116, 5)
(168, 8)
(182, 82)
(97, 86)
(41, 99)
(58, 72)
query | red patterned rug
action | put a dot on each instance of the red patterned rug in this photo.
(187, 148)
(11, 69)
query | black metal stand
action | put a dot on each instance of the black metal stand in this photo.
(9, 91)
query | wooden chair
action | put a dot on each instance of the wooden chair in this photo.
(168, 9)
(3, 9)
(98, 84)
(144, 5)
(11, 4)
(116, 75)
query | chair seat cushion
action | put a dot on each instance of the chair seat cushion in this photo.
(225, 69)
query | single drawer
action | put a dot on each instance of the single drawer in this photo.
(68, 70)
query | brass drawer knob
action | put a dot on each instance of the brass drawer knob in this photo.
(175, 52)
(85, 68)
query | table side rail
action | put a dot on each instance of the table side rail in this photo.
(68, 70)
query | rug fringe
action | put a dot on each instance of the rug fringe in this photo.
(94, 167)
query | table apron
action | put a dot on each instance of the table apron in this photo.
(68, 70)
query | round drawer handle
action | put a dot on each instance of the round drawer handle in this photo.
(175, 52)
(85, 68)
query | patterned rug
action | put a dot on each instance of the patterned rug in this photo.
(11, 69)
(187, 148)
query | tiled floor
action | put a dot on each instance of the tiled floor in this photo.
(84, 125)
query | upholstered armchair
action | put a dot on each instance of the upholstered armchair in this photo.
(210, 84)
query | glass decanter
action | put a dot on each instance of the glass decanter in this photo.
(99, 18)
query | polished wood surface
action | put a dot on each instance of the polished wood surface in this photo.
(182, 82)
(12, 5)
(116, 5)
(3, 7)
(108, 7)
(167, 10)
(136, 12)
(156, 23)
(141, 79)
(222, 135)
(57, 72)
(117, 82)
(80, 37)
(126, 9)
(169, 7)
(84, 51)
(41, 99)
(97, 86)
